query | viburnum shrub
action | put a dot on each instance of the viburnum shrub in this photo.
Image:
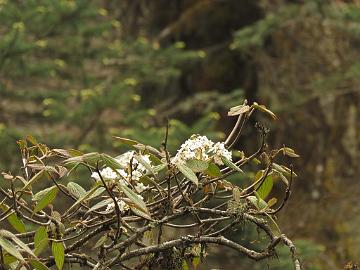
(142, 209)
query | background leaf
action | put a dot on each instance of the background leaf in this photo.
(58, 250)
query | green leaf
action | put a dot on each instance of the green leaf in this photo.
(126, 141)
(97, 192)
(11, 249)
(111, 162)
(41, 239)
(188, 173)
(100, 205)
(14, 221)
(263, 109)
(284, 179)
(46, 199)
(38, 265)
(139, 203)
(196, 262)
(91, 158)
(100, 242)
(278, 168)
(259, 203)
(85, 196)
(38, 196)
(213, 170)
(140, 213)
(76, 190)
(265, 188)
(272, 202)
(184, 265)
(17, 241)
(159, 168)
(154, 159)
(58, 250)
(230, 164)
(273, 225)
(197, 165)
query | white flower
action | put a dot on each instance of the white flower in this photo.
(200, 147)
(220, 151)
(124, 175)
(197, 147)
(137, 169)
(122, 206)
(140, 187)
(106, 173)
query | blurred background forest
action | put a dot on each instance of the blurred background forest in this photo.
(73, 73)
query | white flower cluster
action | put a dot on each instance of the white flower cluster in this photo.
(127, 175)
(200, 147)
(219, 151)
(122, 206)
(132, 173)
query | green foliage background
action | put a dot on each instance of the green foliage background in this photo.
(75, 73)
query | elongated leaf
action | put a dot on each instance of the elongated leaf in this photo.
(38, 265)
(41, 239)
(6, 234)
(257, 202)
(230, 164)
(159, 168)
(126, 141)
(290, 152)
(138, 202)
(10, 248)
(184, 265)
(197, 165)
(278, 168)
(86, 196)
(284, 179)
(154, 159)
(140, 213)
(111, 162)
(100, 205)
(46, 199)
(58, 251)
(188, 173)
(35, 178)
(272, 202)
(97, 193)
(14, 221)
(76, 190)
(265, 187)
(91, 158)
(100, 242)
(213, 170)
(273, 225)
(67, 153)
(38, 196)
(263, 109)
